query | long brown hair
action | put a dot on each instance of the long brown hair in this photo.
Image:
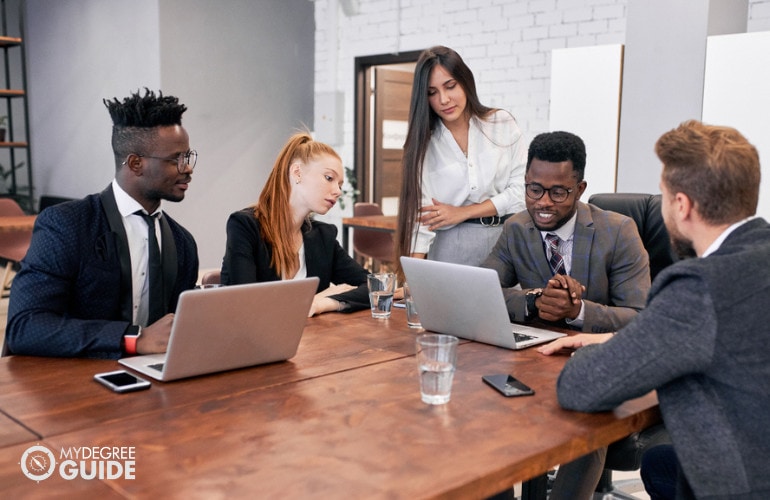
(422, 123)
(273, 210)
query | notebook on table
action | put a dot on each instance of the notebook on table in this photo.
(467, 302)
(218, 329)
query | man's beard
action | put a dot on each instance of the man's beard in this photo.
(682, 246)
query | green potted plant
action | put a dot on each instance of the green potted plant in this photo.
(4, 174)
(349, 190)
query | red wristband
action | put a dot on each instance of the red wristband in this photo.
(130, 340)
(130, 344)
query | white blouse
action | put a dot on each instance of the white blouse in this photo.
(493, 170)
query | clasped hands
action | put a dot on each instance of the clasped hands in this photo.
(561, 299)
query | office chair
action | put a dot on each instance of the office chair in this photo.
(374, 245)
(644, 209)
(13, 245)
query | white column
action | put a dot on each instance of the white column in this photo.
(663, 70)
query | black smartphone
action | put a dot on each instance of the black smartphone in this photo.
(507, 385)
(122, 381)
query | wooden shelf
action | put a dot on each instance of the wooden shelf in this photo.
(14, 147)
(9, 41)
(11, 93)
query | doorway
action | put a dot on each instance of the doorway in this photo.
(383, 92)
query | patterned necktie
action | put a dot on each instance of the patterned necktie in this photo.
(556, 261)
(155, 272)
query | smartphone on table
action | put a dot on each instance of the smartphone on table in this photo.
(508, 385)
(122, 381)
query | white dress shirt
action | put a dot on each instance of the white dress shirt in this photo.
(566, 234)
(493, 170)
(302, 271)
(722, 237)
(136, 233)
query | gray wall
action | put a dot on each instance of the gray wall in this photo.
(244, 68)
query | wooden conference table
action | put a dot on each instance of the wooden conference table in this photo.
(384, 223)
(343, 418)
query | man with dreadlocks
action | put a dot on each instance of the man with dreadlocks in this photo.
(103, 274)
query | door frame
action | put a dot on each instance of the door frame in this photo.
(361, 152)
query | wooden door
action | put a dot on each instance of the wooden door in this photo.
(392, 91)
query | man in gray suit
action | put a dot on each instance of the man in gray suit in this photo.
(577, 265)
(701, 341)
(595, 275)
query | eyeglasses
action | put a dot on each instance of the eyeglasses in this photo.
(558, 194)
(182, 160)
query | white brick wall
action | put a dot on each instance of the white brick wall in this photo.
(506, 43)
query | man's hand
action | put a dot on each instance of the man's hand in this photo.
(154, 338)
(561, 299)
(574, 342)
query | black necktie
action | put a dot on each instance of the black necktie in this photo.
(156, 307)
(556, 261)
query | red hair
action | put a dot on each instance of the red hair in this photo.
(273, 210)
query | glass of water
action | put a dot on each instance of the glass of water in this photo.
(381, 288)
(436, 361)
(412, 316)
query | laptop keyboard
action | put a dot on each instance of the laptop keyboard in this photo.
(157, 366)
(520, 337)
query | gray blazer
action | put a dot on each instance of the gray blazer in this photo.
(608, 258)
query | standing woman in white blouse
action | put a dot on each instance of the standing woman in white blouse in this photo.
(463, 165)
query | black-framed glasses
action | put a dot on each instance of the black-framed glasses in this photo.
(557, 194)
(182, 160)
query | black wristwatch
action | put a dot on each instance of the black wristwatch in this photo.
(531, 295)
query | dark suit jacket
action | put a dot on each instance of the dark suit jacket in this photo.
(247, 258)
(701, 342)
(72, 296)
(608, 258)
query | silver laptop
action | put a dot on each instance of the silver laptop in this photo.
(218, 329)
(467, 302)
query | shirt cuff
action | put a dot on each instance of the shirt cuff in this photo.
(578, 322)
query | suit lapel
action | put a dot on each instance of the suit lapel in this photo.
(116, 226)
(537, 249)
(581, 243)
(313, 247)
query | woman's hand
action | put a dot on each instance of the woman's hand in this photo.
(335, 289)
(322, 303)
(441, 214)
